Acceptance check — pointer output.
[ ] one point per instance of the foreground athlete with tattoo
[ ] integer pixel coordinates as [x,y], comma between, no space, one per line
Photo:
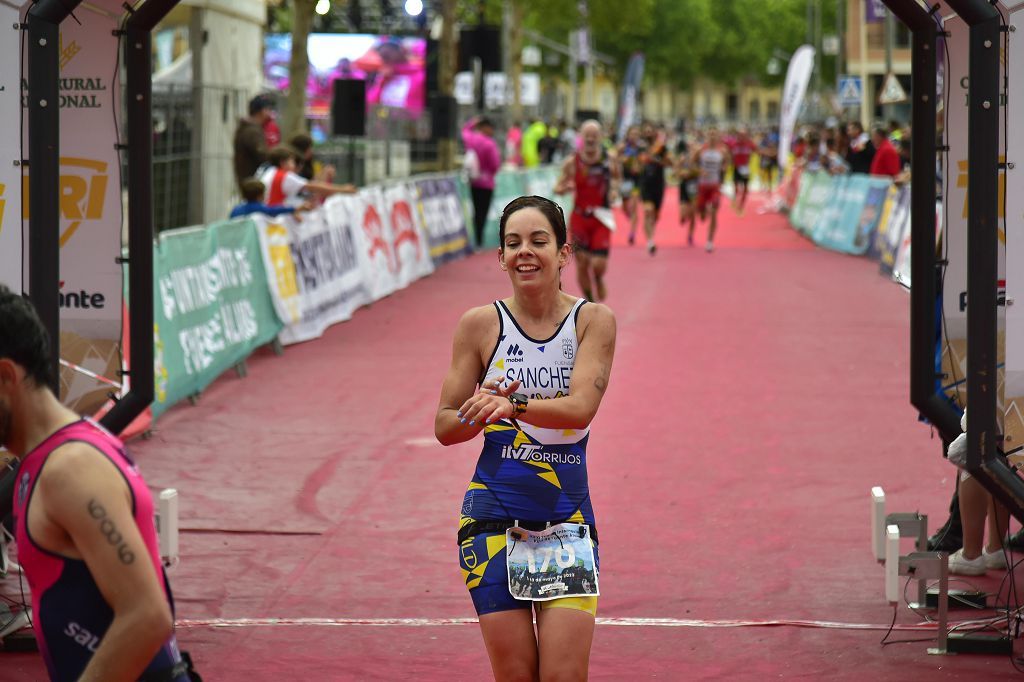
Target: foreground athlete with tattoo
[101,605]
[529,372]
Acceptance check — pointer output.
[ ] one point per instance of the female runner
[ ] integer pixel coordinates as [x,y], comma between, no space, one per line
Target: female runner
[530,372]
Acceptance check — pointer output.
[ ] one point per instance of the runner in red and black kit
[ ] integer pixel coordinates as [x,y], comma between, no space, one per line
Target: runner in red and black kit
[594,176]
[742,149]
[654,159]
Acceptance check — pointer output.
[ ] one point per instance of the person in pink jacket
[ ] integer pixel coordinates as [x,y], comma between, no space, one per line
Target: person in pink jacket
[482,163]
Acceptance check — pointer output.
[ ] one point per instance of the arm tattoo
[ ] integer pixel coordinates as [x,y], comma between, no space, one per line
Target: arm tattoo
[110,532]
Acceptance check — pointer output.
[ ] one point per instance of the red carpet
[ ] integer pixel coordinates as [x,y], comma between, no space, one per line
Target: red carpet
[758,393]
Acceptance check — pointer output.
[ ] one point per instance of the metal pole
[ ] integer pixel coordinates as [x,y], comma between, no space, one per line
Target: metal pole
[44,157]
[571,104]
[890,37]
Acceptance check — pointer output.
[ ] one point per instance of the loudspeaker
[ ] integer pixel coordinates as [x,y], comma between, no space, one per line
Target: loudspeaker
[443,117]
[483,42]
[348,107]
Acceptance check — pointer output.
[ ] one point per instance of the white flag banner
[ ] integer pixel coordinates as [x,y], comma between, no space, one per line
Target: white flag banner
[10,151]
[801,65]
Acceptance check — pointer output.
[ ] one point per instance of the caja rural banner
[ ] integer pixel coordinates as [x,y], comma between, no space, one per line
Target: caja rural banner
[212,306]
[1013,387]
[313,267]
[10,150]
[90,196]
[439,208]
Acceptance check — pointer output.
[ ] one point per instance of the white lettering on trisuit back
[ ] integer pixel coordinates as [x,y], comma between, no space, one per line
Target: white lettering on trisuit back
[533,453]
[82,637]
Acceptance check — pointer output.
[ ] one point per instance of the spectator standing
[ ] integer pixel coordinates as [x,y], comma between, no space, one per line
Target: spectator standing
[513,145]
[886,160]
[861,150]
[249,143]
[531,141]
[478,138]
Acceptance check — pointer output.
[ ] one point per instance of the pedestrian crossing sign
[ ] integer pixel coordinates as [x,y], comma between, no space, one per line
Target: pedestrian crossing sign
[851,91]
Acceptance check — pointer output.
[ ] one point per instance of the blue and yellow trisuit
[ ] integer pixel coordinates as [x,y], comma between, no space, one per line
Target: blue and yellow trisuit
[534,475]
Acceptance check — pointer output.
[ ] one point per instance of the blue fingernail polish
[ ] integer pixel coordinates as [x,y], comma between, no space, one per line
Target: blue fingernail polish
[487,422]
[472,422]
[459,413]
[494,393]
[463,421]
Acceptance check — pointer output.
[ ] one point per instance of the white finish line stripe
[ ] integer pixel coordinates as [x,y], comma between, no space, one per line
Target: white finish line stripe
[621,622]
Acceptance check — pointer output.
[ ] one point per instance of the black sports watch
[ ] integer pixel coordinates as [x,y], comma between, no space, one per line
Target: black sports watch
[519,402]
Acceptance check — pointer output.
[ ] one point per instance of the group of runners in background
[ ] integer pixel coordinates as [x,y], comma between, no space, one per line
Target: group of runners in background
[633,172]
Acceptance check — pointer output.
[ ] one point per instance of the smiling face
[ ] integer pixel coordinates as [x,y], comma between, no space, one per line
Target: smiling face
[530,251]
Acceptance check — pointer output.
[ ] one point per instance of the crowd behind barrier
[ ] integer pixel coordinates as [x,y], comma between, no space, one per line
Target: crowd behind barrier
[857,214]
[224,289]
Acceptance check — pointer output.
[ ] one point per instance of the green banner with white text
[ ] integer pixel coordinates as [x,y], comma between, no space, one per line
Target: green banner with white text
[212,306]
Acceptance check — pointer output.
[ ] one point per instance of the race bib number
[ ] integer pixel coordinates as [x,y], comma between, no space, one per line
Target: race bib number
[551,564]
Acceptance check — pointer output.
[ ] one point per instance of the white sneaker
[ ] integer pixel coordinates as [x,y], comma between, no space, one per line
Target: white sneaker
[709,247]
[995,560]
[959,565]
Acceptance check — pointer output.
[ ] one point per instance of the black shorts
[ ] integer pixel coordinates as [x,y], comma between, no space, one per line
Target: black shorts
[653,192]
[687,191]
[741,178]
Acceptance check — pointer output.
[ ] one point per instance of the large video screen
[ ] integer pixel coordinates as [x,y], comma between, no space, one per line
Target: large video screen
[393,67]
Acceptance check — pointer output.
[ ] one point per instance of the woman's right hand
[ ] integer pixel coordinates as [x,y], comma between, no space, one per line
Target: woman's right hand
[489,404]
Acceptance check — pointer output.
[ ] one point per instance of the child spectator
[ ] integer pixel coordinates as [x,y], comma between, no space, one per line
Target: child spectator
[253,192]
[285,185]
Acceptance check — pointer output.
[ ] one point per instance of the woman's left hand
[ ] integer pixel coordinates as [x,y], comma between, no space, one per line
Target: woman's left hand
[489,404]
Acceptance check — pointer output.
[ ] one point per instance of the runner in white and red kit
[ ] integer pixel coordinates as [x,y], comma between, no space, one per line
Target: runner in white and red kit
[711,162]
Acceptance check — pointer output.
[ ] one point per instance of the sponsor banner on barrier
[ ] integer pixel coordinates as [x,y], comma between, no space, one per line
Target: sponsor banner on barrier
[212,306]
[313,269]
[815,192]
[408,237]
[373,239]
[10,152]
[839,224]
[890,230]
[440,212]
[870,216]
